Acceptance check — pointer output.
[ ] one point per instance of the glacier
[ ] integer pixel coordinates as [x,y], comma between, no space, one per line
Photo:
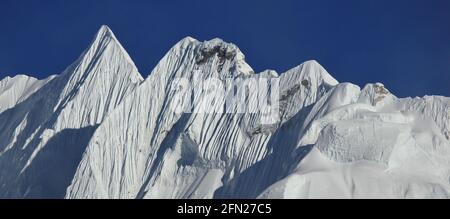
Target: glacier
[100,130]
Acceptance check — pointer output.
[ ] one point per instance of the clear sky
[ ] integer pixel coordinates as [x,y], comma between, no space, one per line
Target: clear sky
[404,44]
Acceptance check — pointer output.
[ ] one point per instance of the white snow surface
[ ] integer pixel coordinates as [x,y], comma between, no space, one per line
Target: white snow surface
[18,88]
[99,130]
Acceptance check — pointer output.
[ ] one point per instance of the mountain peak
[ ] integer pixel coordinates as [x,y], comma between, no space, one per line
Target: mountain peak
[103,37]
[105,31]
[317,67]
[105,28]
[224,51]
[106,47]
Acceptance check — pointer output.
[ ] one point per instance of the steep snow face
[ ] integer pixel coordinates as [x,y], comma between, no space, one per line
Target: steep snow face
[145,150]
[435,108]
[17,89]
[372,145]
[44,136]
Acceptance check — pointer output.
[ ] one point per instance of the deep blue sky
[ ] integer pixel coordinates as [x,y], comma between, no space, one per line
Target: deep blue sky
[404,44]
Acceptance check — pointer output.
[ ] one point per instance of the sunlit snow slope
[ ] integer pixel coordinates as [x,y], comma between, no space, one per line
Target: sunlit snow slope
[99,130]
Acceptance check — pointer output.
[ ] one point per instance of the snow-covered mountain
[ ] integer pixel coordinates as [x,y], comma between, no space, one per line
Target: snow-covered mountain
[99,130]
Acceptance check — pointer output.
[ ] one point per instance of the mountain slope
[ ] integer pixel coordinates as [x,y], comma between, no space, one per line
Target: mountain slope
[152,150]
[44,136]
[372,145]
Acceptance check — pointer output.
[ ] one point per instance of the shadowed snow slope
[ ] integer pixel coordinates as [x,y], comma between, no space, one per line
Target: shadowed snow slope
[99,130]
